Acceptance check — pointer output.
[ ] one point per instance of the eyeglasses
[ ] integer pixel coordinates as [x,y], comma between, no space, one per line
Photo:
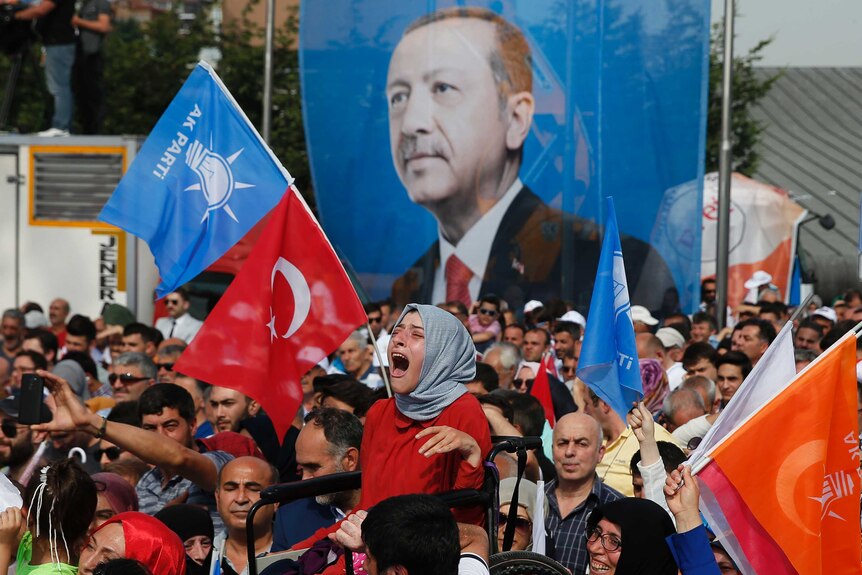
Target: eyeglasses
[112,453]
[519,383]
[521,523]
[569,369]
[10,428]
[491,312]
[172,301]
[167,366]
[125,378]
[375,319]
[609,542]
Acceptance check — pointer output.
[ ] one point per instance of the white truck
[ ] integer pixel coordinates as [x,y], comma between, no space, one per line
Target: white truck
[51,245]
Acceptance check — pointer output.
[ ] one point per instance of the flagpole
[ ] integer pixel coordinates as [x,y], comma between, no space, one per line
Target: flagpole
[798,311]
[383,371]
[706,458]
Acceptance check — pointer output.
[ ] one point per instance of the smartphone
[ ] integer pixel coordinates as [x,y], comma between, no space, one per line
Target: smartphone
[31,397]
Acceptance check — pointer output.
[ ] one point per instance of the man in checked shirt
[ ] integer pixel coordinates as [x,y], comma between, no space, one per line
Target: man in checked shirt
[577,489]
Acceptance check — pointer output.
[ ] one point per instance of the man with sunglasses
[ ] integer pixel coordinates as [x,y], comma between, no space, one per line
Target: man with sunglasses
[179,322]
[166,357]
[130,375]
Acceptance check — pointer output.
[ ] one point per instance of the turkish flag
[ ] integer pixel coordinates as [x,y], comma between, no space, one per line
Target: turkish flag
[290,306]
[782,490]
[541,390]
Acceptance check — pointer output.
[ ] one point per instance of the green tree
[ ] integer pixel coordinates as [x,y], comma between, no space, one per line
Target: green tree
[748,89]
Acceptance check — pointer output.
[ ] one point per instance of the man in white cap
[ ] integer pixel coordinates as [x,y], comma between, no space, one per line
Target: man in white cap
[642,319]
[825,317]
[673,343]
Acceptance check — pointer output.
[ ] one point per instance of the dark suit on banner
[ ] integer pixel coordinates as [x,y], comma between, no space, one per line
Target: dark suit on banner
[526,260]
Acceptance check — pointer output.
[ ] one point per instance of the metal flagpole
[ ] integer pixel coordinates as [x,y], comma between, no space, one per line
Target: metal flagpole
[267,70]
[725,169]
[383,371]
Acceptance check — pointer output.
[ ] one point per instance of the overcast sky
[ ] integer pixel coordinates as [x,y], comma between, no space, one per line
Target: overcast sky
[806,32]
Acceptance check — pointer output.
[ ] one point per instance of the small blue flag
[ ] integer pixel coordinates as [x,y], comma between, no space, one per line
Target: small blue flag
[609,358]
[203,178]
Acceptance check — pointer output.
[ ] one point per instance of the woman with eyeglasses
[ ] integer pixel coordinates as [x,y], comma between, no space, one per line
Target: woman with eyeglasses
[636,536]
[523,540]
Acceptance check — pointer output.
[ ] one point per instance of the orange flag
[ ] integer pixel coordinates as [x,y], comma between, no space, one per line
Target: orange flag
[782,491]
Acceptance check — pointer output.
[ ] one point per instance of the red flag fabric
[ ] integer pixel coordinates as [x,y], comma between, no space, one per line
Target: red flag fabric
[290,306]
[541,390]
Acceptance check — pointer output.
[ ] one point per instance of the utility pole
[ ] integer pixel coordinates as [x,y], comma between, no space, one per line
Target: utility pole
[725,170]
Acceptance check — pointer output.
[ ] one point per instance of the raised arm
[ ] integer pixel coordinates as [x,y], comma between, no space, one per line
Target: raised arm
[154,448]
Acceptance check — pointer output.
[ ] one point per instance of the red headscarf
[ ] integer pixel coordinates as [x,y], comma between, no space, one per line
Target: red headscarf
[149,541]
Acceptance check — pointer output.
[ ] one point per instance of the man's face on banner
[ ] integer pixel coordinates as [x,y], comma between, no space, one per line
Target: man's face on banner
[446,128]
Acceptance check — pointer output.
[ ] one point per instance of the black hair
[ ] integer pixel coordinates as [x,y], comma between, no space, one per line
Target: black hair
[370,307]
[81,326]
[357,395]
[126,412]
[67,502]
[159,396]
[736,358]
[671,457]
[39,360]
[811,324]
[775,307]
[698,351]
[569,327]
[341,429]
[491,299]
[704,317]
[85,360]
[31,306]
[487,375]
[417,532]
[543,331]
[496,399]
[529,414]
[47,339]
[519,326]
[143,330]
[767,330]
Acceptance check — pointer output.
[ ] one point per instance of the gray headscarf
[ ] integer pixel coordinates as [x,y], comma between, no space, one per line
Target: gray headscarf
[450,362]
[527,492]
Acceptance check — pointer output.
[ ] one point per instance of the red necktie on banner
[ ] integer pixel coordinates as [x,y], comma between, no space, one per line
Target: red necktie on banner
[458,277]
[289,307]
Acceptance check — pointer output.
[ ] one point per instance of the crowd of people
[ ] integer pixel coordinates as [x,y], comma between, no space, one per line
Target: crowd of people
[137,468]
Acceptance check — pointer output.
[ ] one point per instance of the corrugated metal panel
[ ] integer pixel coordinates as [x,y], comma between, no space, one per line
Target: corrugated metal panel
[812,147]
[73,187]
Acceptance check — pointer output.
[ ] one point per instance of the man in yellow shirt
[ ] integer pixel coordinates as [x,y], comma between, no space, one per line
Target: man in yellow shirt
[620,445]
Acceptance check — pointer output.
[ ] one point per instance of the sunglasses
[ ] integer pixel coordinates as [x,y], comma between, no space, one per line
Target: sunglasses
[521,523]
[167,366]
[112,453]
[519,383]
[569,369]
[10,428]
[125,378]
[172,302]
[488,311]
[375,319]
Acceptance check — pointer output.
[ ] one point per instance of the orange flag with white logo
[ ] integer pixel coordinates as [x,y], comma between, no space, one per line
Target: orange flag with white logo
[782,491]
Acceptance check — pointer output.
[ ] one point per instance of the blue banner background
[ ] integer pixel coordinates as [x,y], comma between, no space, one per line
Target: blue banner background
[620,90]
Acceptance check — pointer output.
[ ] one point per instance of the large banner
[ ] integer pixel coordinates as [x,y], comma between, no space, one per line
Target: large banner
[459,150]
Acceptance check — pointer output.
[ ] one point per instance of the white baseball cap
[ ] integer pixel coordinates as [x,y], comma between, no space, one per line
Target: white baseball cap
[532,304]
[826,312]
[642,314]
[670,338]
[759,278]
[574,317]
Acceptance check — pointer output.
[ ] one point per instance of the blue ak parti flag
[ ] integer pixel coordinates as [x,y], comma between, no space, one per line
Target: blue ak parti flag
[609,357]
[203,178]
